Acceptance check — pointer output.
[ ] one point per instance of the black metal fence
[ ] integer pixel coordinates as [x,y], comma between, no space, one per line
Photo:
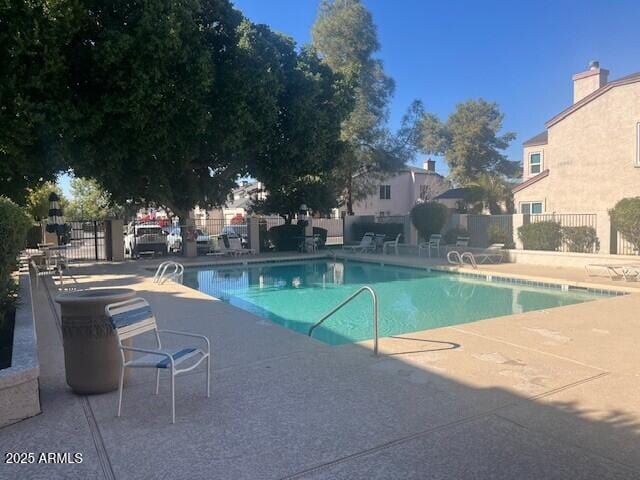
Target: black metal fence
[566,220]
[479,227]
[164,236]
[622,245]
[86,240]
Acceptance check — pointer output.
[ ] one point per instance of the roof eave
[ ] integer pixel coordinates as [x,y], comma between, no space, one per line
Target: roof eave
[592,96]
[530,181]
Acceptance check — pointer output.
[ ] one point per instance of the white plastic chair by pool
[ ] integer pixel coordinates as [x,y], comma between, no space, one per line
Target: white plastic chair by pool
[434,242]
[392,244]
[134,317]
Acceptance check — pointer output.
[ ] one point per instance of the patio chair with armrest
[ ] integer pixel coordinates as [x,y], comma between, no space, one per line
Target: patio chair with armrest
[392,244]
[434,242]
[133,317]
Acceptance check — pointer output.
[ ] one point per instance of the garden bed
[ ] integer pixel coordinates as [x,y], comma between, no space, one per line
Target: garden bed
[19,391]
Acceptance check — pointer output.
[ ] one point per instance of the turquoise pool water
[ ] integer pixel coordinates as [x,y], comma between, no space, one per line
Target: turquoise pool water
[411,299]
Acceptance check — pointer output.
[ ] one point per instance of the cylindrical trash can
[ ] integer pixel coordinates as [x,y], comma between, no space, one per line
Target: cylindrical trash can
[92,359]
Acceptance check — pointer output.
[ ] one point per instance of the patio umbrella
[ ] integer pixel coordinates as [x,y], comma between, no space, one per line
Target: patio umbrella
[55,222]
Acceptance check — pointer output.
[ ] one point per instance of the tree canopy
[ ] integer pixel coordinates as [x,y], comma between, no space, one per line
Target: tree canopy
[32,94]
[346,38]
[470,141]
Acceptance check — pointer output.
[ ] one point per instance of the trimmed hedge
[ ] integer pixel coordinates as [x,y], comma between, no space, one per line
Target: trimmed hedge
[581,239]
[429,218]
[625,218]
[389,230]
[283,237]
[541,236]
[14,224]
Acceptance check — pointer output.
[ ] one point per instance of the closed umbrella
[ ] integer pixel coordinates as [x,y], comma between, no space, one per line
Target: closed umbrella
[55,222]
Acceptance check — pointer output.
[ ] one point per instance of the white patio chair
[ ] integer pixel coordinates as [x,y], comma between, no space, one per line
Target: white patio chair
[434,242]
[367,244]
[134,317]
[392,244]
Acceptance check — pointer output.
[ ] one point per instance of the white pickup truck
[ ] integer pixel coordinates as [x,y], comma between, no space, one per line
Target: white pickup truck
[144,238]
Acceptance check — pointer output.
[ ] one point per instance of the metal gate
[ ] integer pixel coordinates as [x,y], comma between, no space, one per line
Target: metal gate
[86,240]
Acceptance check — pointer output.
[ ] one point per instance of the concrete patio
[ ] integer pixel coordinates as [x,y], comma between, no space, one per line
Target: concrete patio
[551,394]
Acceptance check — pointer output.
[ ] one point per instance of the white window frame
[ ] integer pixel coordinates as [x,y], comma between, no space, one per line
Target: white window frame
[530,203]
[541,162]
[386,188]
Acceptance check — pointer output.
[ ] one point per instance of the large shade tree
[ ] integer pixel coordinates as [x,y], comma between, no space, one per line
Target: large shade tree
[151,84]
[470,141]
[345,36]
[33,96]
[297,161]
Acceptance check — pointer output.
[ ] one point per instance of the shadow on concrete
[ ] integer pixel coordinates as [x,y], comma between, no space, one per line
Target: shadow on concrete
[284,406]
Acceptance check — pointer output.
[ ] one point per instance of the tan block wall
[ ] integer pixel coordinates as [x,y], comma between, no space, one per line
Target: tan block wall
[592,159]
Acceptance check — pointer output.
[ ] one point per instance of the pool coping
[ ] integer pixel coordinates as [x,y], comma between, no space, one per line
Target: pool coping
[490,276]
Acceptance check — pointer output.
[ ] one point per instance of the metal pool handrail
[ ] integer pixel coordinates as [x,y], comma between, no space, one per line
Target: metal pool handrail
[162,275]
[374,298]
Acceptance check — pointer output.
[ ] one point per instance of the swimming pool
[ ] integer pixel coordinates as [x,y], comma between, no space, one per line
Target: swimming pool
[296,295]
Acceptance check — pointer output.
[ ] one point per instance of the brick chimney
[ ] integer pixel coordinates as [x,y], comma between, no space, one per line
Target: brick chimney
[588,82]
[429,165]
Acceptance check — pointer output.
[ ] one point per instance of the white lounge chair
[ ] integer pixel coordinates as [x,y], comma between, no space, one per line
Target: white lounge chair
[434,242]
[233,246]
[627,272]
[392,244]
[134,317]
[367,244]
[473,259]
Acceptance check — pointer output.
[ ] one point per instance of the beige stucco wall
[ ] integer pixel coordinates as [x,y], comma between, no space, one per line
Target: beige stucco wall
[592,158]
[405,191]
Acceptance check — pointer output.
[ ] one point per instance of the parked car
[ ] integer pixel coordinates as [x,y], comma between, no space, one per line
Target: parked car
[239,230]
[174,240]
[144,238]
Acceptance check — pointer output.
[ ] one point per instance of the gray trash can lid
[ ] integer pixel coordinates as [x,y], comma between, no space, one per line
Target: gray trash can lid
[102,295]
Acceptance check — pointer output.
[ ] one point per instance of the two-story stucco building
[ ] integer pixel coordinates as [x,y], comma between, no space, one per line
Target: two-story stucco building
[398,193]
[588,158]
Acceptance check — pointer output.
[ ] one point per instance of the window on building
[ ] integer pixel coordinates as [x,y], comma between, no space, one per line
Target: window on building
[424,192]
[531,207]
[535,163]
[385,192]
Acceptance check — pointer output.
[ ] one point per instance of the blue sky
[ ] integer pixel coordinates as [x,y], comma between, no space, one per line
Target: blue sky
[520,54]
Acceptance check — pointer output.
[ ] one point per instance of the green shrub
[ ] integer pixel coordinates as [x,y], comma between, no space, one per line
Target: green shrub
[451,236]
[428,218]
[14,224]
[389,230]
[288,237]
[625,218]
[541,236]
[499,234]
[580,239]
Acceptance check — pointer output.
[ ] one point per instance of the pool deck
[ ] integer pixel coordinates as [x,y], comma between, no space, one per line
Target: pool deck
[551,394]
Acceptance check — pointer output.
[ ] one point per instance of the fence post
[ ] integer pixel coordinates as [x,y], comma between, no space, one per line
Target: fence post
[253,231]
[190,246]
[603,232]
[116,239]
[518,221]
